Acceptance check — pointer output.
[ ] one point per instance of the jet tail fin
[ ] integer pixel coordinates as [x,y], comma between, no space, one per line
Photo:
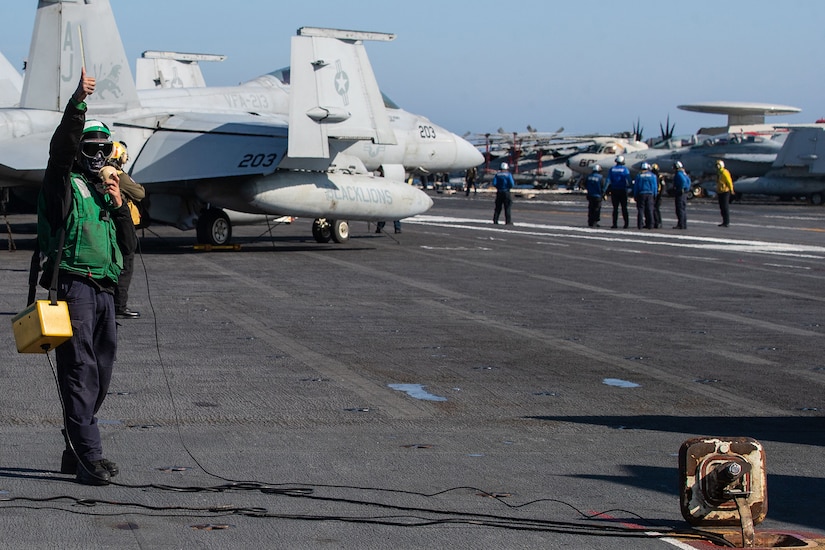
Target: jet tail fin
[67,35]
[801,149]
[11,84]
[333,92]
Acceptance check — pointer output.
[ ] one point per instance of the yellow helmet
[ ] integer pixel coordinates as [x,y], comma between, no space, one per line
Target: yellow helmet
[119,153]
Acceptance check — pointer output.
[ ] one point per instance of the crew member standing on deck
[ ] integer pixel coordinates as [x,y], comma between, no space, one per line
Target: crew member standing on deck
[681,188]
[132,193]
[618,179]
[724,190]
[645,187]
[503,182]
[595,196]
[470,180]
[75,202]
[657,202]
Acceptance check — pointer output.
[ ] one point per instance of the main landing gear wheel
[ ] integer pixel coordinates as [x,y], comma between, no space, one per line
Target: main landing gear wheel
[340,230]
[321,230]
[214,227]
[817,199]
[325,230]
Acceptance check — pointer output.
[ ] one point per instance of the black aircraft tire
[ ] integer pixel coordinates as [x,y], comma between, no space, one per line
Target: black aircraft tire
[340,230]
[214,227]
[322,231]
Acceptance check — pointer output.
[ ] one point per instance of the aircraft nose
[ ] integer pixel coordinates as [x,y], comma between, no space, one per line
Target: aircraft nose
[425,203]
[466,155]
[576,163]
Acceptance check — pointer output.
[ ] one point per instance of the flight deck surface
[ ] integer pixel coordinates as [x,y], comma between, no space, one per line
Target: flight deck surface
[460,384]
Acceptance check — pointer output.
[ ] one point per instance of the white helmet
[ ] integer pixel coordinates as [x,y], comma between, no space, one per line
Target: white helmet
[678,165]
[645,166]
[620,159]
[505,166]
[597,168]
[720,164]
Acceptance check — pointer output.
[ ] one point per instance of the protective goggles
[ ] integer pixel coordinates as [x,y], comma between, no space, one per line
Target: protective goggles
[90,149]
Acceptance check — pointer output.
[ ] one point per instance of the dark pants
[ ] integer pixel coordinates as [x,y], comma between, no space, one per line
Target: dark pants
[619,198]
[503,199]
[594,209]
[123,282]
[127,241]
[473,185]
[657,211]
[681,210]
[85,361]
[396,224]
[724,207]
[645,204]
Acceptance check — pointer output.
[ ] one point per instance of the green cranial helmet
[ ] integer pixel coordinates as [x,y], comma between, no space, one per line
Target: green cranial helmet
[97,130]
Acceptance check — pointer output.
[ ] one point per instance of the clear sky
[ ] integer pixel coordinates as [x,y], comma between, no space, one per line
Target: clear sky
[476,66]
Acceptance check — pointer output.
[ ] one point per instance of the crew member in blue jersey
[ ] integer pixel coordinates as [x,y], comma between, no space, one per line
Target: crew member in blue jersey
[681,188]
[503,182]
[645,188]
[618,180]
[595,196]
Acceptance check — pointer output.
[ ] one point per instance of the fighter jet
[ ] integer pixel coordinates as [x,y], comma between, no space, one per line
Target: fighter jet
[300,142]
[799,168]
[743,154]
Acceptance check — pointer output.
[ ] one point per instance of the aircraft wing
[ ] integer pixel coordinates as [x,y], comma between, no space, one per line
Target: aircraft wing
[26,152]
[747,157]
[207,146]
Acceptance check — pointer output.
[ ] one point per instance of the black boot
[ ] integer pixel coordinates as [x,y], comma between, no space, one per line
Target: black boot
[92,473]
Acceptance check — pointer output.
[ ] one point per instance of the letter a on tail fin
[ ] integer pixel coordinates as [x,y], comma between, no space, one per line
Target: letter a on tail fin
[57,54]
[334,93]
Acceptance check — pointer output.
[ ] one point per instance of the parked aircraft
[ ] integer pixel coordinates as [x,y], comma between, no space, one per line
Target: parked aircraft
[248,148]
[604,149]
[799,168]
[744,155]
[537,158]
[747,145]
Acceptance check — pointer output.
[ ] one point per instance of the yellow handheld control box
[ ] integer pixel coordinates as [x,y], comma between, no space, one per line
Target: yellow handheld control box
[42,327]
